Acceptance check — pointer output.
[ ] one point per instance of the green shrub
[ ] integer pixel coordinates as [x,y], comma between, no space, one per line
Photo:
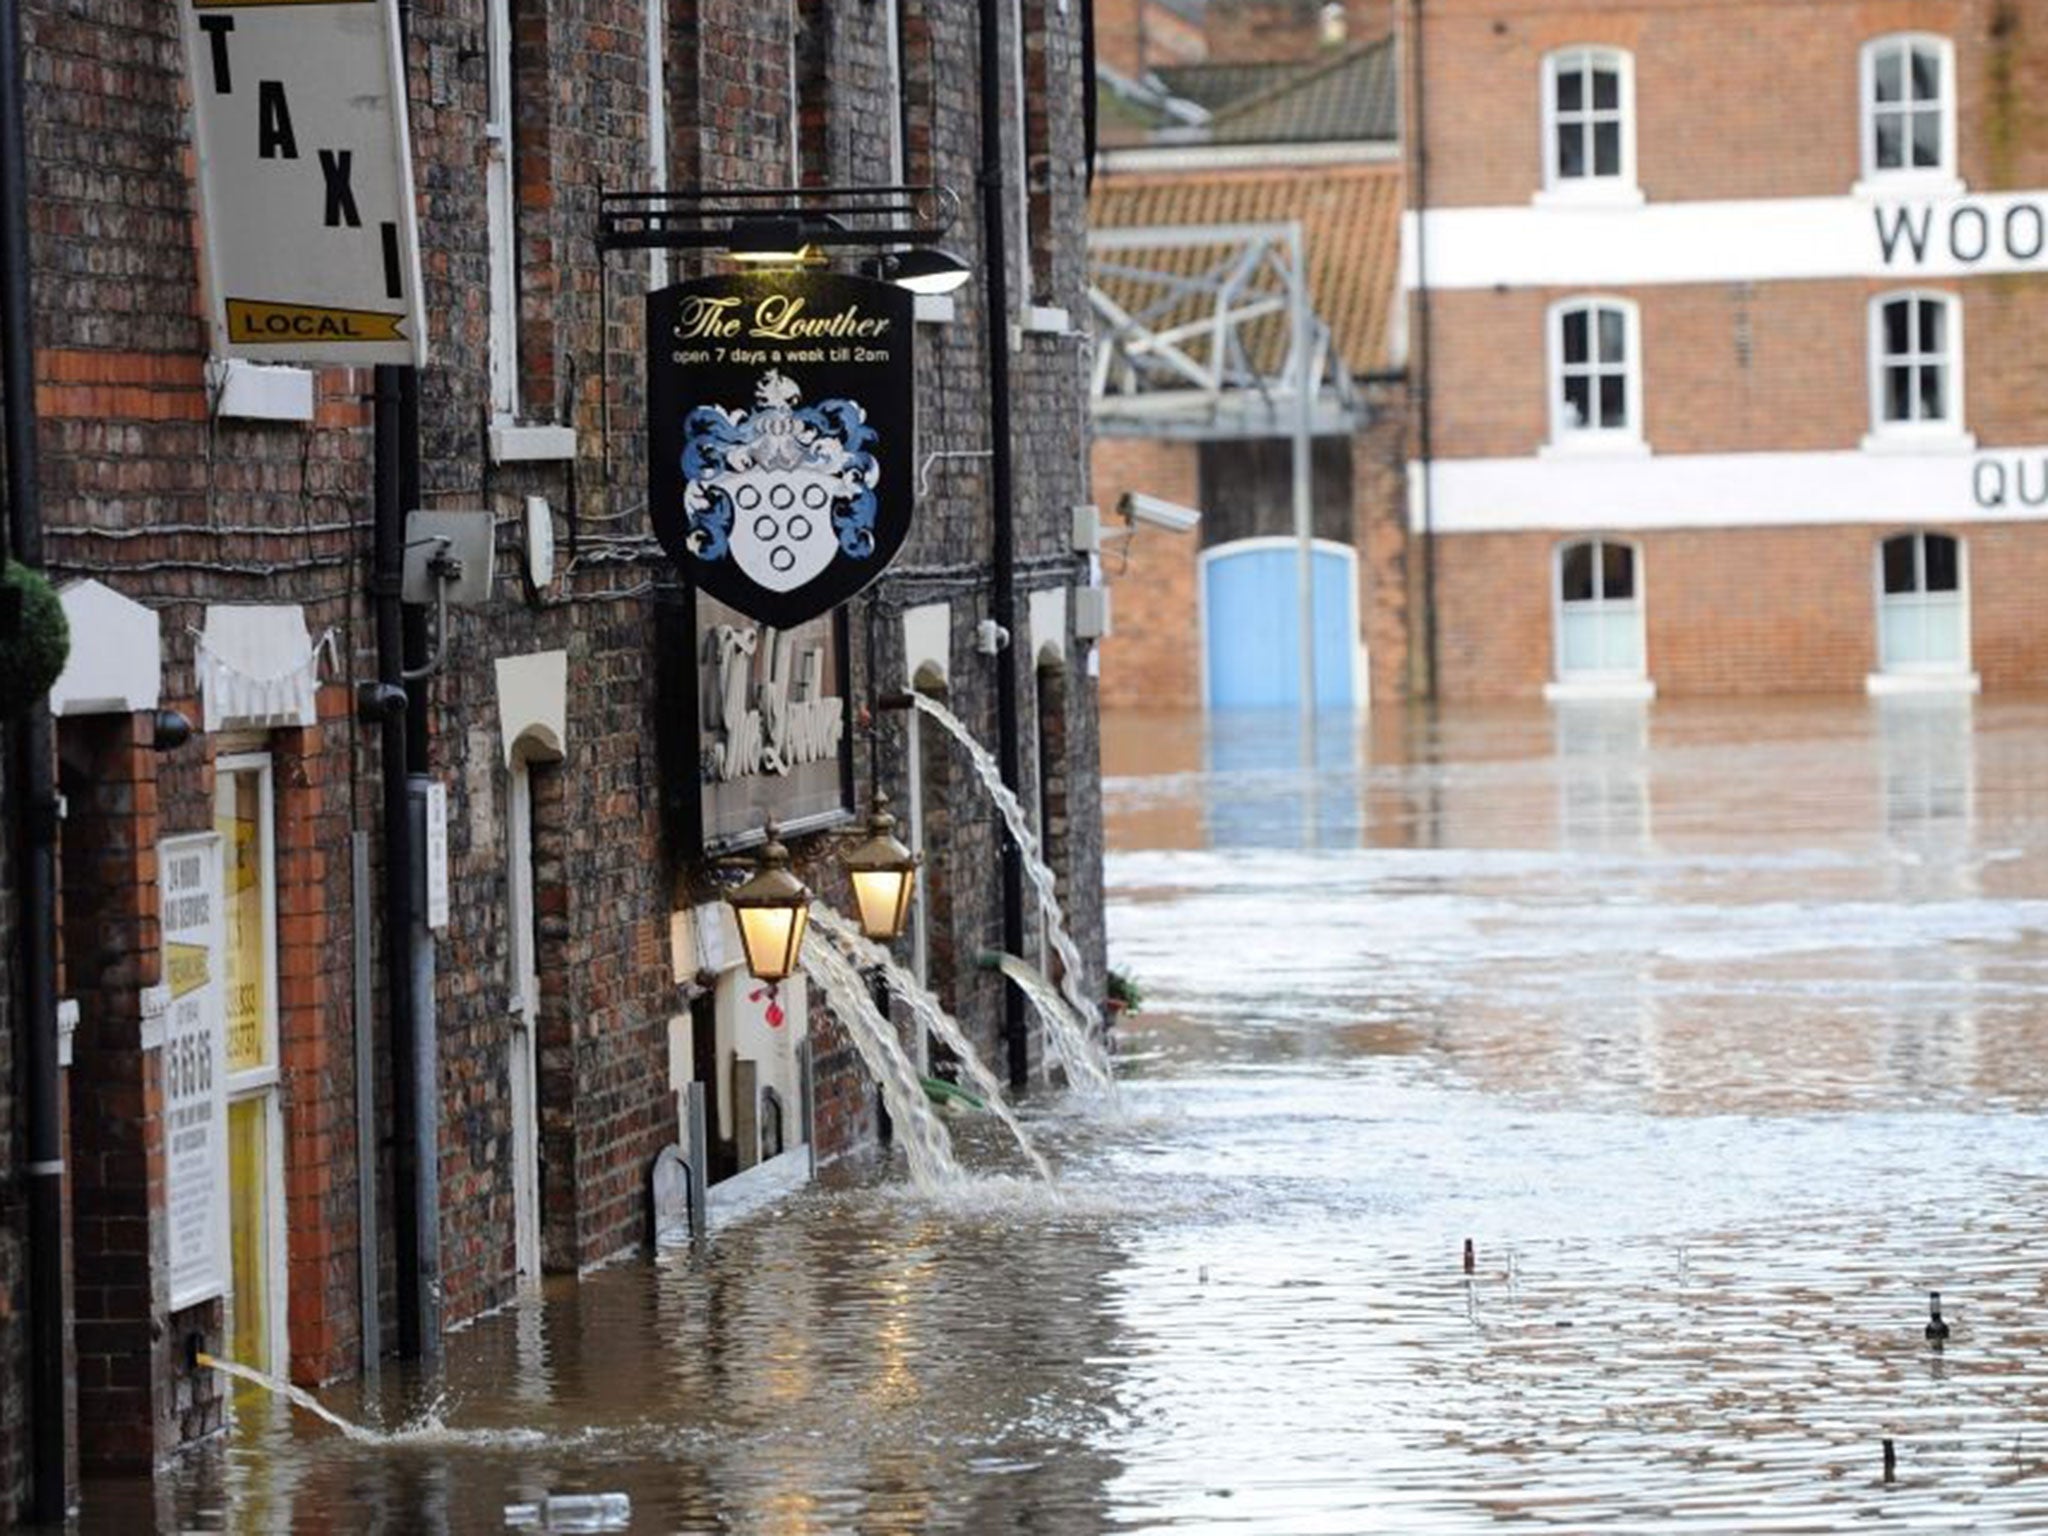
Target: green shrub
[32,650]
[1124,991]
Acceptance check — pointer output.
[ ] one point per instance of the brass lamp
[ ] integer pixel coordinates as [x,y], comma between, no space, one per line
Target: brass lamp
[884,875]
[772,908]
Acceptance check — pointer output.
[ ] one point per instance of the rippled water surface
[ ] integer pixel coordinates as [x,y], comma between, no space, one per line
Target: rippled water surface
[1722,1033]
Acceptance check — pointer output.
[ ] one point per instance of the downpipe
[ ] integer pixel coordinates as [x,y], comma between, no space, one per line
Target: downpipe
[1003,599]
[391,708]
[35,807]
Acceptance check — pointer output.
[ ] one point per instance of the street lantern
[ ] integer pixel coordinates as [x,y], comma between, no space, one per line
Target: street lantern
[884,874]
[922,269]
[773,241]
[772,908]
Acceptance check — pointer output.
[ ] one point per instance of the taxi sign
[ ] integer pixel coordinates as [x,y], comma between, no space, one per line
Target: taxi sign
[305,180]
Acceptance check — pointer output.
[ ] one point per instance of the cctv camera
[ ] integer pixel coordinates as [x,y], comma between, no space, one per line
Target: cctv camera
[1137,507]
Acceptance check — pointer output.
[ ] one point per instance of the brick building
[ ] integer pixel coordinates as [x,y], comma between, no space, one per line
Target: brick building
[1726,337]
[1289,124]
[210,527]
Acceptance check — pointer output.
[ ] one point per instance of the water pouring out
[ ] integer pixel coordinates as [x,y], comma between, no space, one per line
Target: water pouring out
[932,1017]
[1066,1030]
[296,1396]
[1036,870]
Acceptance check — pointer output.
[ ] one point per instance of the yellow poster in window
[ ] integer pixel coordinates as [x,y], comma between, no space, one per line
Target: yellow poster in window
[239,820]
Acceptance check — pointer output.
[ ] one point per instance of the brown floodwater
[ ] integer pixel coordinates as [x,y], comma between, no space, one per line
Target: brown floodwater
[1721,1032]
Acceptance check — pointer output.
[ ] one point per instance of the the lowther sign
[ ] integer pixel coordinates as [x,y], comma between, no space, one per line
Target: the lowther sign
[305,180]
[779,437]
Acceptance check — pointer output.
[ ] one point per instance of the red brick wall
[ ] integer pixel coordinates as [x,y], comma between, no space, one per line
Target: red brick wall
[111,943]
[1733,611]
[309,775]
[1732,368]
[1386,565]
[1152,658]
[1760,106]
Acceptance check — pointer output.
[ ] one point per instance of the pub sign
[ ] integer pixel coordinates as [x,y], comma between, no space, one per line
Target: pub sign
[779,436]
[757,724]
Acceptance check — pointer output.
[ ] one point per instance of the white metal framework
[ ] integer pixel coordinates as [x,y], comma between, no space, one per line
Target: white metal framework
[1206,331]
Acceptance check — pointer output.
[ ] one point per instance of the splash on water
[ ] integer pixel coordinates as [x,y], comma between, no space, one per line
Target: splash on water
[926,1010]
[428,1430]
[924,1138]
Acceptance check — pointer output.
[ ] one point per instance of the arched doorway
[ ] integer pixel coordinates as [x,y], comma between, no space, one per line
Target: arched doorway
[1251,638]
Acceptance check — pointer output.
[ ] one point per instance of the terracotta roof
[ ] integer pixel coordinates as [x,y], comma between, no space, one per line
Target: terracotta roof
[1350,215]
[1353,96]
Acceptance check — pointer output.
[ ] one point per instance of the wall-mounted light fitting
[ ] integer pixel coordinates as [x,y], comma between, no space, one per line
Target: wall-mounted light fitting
[773,908]
[924,269]
[884,875]
[773,241]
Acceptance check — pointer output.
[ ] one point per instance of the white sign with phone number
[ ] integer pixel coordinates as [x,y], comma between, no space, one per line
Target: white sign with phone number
[195,1067]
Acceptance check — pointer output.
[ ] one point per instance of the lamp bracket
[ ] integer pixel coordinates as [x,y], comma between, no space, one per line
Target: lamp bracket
[702,218]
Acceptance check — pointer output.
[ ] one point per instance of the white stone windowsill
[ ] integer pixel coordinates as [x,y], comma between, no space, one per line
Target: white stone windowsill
[1899,443]
[246,391]
[1626,690]
[1594,194]
[1595,445]
[1885,186]
[1880,685]
[1044,320]
[512,443]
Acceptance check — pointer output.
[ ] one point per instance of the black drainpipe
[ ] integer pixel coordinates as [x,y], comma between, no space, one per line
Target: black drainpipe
[1417,122]
[386,583]
[36,817]
[1088,88]
[1009,747]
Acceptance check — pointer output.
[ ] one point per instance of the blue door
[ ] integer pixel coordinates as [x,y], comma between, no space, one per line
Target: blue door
[1254,647]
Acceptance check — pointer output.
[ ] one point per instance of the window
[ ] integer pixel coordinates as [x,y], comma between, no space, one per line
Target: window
[1909,109]
[1599,613]
[1916,355]
[1922,619]
[500,210]
[1594,375]
[1589,148]
[245,816]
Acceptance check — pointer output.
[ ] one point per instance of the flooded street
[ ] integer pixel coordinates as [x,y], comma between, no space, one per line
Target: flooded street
[1720,1031]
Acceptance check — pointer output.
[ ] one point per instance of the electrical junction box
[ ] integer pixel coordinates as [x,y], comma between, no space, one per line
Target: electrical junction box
[1091,613]
[467,538]
[1087,538]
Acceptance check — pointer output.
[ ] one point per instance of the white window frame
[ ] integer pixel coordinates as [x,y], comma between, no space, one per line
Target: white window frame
[1620,188]
[1947,435]
[501,217]
[262,1084]
[1026,299]
[1932,181]
[1565,437]
[523,1017]
[1894,676]
[1599,683]
[654,41]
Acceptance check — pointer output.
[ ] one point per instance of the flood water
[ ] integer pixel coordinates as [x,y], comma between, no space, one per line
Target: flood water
[1721,1032]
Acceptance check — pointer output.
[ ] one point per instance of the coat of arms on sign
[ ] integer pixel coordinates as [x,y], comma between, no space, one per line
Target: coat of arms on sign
[779,435]
[783,488]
